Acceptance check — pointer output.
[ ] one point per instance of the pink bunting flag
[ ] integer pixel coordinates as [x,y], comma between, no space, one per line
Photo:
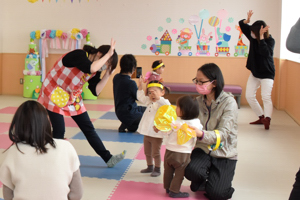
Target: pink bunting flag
[70,43]
[52,44]
[58,44]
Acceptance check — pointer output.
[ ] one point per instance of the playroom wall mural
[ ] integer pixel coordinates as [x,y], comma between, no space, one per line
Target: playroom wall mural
[212,33]
[35,61]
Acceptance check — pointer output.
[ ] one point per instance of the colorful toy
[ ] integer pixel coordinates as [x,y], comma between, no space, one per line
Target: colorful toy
[165,44]
[183,41]
[86,93]
[32,73]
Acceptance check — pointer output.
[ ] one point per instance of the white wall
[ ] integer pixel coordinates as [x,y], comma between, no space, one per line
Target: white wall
[128,21]
[290,15]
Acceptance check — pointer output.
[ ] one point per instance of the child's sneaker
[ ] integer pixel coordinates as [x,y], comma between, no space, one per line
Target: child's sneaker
[149,169]
[156,172]
[179,195]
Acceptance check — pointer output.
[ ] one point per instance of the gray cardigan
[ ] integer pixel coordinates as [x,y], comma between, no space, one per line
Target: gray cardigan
[293,39]
[223,117]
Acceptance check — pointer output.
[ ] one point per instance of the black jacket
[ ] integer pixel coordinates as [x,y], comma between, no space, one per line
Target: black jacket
[260,59]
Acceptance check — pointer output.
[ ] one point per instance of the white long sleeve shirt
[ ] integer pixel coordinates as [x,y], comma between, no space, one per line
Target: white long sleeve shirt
[147,121]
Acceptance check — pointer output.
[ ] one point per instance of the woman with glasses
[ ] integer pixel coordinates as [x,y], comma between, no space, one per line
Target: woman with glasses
[214,157]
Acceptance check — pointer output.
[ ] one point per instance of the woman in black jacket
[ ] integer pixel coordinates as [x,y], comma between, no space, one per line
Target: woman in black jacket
[261,64]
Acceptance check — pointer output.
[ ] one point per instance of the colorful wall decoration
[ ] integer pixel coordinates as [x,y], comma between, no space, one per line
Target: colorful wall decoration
[164,46]
[240,49]
[183,40]
[211,35]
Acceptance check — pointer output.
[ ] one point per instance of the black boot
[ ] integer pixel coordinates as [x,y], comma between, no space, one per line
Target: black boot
[122,128]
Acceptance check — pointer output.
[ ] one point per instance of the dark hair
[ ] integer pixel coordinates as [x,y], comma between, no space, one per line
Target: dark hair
[213,72]
[127,63]
[156,63]
[189,107]
[167,90]
[31,125]
[103,49]
[255,28]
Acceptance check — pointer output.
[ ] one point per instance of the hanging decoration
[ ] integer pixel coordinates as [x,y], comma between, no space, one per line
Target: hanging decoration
[75,37]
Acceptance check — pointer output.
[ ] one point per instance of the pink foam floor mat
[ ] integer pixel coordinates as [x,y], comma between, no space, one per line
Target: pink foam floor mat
[98,107]
[141,155]
[4,127]
[129,190]
[8,110]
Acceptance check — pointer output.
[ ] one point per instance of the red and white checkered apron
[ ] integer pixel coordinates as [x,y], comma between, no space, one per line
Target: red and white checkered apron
[69,82]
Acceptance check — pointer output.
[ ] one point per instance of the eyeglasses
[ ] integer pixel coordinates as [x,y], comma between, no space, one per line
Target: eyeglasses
[195,81]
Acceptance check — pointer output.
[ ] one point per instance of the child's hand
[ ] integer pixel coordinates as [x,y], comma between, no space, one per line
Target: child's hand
[155,129]
[199,133]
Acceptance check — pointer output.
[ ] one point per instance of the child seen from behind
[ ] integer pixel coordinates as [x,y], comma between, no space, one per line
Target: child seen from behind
[177,156]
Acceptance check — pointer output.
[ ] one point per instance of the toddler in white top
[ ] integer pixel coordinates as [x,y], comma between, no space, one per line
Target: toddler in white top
[152,139]
[177,156]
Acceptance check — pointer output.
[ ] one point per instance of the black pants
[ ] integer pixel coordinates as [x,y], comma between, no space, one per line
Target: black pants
[134,126]
[84,123]
[218,172]
[295,194]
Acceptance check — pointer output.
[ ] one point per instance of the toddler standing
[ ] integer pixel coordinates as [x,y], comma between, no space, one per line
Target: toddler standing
[177,156]
[152,140]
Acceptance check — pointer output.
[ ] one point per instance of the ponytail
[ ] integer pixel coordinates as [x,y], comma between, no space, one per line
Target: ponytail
[89,49]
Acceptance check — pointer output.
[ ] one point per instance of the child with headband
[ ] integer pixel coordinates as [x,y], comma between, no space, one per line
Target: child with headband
[158,68]
[152,140]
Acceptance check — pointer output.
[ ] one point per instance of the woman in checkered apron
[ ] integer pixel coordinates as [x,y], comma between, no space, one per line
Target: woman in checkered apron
[62,88]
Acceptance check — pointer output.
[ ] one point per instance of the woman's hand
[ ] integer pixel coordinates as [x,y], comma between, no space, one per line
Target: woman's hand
[249,15]
[112,47]
[108,72]
[96,65]
[199,133]
[262,31]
